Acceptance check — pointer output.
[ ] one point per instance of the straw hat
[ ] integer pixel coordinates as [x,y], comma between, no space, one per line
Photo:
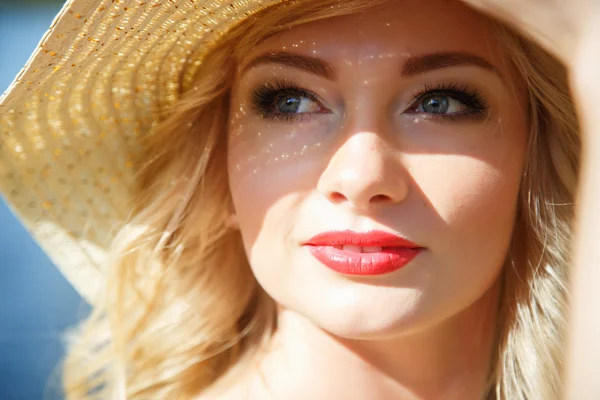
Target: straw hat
[72,120]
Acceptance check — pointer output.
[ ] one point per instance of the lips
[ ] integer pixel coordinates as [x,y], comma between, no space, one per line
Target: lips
[368,253]
[359,249]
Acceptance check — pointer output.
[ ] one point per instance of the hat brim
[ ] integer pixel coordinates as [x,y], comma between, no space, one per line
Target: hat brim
[72,120]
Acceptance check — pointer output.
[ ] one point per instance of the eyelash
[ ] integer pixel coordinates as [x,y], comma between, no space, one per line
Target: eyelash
[265,96]
[471,97]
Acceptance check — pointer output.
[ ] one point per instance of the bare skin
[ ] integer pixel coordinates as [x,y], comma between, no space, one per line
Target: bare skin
[306,361]
[425,331]
[570,30]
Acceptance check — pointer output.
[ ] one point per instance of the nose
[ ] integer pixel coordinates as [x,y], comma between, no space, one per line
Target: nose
[365,171]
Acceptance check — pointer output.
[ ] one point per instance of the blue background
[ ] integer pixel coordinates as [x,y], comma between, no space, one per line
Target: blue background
[36,302]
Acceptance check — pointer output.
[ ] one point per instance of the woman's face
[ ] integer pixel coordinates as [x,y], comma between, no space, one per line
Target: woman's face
[405,119]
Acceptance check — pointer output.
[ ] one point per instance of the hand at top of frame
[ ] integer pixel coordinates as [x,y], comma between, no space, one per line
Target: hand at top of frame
[566,28]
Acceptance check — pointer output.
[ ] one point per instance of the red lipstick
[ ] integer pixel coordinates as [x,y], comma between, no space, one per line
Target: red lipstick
[368,253]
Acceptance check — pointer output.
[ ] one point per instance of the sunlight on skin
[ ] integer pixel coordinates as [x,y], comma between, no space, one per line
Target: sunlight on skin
[367,157]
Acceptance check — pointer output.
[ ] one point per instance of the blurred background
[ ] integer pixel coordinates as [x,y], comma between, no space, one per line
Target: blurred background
[36,303]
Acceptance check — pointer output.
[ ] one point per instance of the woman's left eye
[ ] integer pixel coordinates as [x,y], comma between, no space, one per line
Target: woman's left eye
[449,102]
[441,104]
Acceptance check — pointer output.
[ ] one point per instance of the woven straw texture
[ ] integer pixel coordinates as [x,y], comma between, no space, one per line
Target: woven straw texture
[72,121]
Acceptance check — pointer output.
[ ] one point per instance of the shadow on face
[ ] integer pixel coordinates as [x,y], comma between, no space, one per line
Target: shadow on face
[406,118]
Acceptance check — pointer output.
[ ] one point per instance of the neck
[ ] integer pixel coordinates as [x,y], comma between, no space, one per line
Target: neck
[448,361]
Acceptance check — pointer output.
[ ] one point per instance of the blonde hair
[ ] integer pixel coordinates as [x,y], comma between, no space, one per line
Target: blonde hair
[182,309]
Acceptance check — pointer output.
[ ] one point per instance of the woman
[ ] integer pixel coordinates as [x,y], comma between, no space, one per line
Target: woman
[315,199]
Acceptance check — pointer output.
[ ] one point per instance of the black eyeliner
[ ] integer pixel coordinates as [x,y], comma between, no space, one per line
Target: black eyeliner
[472,98]
[266,95]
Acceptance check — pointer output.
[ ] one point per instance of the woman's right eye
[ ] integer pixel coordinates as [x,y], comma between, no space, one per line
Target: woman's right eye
[295,104]
[284,101]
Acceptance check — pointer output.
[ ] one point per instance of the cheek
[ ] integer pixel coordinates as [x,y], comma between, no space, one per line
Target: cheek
[268,204]
[472,185]
[265,206]
[269,171]
[473,199]
[467,224]
[467,192]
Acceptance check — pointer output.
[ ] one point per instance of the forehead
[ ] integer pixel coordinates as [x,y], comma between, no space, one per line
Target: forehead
[398,29]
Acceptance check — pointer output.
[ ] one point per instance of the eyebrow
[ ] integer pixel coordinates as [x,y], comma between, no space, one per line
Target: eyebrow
[415,65]
[428,62]
[310,64]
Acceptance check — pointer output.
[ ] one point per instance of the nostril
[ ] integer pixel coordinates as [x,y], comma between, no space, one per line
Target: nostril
[337,197]
[380,198]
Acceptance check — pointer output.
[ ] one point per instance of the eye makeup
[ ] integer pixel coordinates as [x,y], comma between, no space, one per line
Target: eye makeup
[275,99]
[474,105]
[282,100]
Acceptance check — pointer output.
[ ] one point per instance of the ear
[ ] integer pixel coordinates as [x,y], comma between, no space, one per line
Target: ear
[232,222]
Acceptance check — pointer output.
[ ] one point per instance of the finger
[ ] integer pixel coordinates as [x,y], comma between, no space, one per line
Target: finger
[543,22]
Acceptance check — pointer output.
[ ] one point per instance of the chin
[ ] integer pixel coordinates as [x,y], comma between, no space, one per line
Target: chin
[368,329]
[371,318]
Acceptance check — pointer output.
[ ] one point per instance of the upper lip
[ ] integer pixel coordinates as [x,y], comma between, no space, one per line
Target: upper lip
[363,239]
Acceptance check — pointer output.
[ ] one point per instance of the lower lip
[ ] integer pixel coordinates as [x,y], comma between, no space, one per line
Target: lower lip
[387,260]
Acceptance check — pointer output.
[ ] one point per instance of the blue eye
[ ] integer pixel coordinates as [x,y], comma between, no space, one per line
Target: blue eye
[449,102]
[283,100]
[295,104]
[442,104]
